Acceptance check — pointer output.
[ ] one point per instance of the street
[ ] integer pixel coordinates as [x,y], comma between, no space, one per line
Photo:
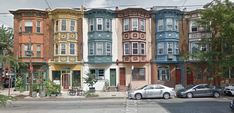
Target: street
[176,105]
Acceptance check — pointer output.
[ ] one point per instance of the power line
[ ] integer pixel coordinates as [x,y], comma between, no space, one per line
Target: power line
[48,4]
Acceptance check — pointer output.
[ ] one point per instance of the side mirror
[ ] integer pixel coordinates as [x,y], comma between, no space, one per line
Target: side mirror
[194,89]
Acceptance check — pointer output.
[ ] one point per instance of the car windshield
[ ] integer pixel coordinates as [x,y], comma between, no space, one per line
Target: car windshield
[143,87]
[189,87]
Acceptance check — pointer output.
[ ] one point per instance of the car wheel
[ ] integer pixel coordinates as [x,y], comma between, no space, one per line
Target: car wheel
[138,96]
[189,95]
[216,94]
[166,95]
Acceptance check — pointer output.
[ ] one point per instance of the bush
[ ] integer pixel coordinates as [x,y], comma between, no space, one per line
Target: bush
[51,88]
[4,99]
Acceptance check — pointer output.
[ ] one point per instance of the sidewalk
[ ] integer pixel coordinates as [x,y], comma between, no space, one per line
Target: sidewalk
[64,95]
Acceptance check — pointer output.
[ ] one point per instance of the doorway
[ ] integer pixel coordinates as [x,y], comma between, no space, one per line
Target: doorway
[112,77]
[122,79]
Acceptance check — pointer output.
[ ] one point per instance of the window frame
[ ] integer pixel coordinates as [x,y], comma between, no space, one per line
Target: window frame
[91,49]
[160,25]
[91,24]
[72,49]
[135,49]
[170,46]
[63,25]
[142,49]
[127,48]
[142,25]
[72,27]
[63,48]
[99,23]
[28,26]
[38,26]
[169,24]
[160,47]
[137,75]
[108,49]
[38,50]
[163,76]
[194,26]
[108,24]
[126,24]
[99,48]
[135,26]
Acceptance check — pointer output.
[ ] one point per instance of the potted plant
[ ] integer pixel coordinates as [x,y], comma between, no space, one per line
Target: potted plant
[90,80]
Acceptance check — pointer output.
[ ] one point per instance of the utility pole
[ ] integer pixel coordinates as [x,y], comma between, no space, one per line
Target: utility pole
[30,53]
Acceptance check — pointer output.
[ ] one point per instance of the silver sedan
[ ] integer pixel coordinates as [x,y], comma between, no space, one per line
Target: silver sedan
[152,91]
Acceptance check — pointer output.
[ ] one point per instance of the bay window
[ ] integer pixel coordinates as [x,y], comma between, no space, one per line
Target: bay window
[169,47]
[142,48]
[142,25]
[63,48]
[72,25]
[99,48]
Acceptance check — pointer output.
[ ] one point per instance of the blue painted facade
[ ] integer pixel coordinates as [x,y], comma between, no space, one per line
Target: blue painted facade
[99,36]
[167,36]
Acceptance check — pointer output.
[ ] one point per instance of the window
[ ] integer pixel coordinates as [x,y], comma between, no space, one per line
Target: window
[163,73]
[160,48]
[138,74]
[38,26]
[134,48]
[108,24]
[193,26]
[99,24]
[20,26]
[142,49]
[169,47]
[99,73]
[38,50]
[56,25]
[135,24]
[63,48]
[91,49]
[28,26]
[72,48]
[177,47]
[203,47]
[91,25]
[28,50]
[194,47]
[126,24]
[99,48]
[56,49]
[126,49]
[108,49]
[142,24]
[169,24]
[176,25]
[160,25]
[72,26]
[64,25]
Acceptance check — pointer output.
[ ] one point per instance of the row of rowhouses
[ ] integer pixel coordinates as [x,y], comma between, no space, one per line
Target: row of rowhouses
[122,47]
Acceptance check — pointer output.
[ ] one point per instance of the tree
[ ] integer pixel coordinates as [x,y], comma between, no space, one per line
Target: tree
[90,80]
[219,20]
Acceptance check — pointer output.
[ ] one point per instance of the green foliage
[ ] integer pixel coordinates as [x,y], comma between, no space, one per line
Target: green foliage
[90,94]
[218,19]
[51,88]
[19,84]
[4,99]
[90,80]
[35,87]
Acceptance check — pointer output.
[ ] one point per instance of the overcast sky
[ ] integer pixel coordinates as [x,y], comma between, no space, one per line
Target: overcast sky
[6,5]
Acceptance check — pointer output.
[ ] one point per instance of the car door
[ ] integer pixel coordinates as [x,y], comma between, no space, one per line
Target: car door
[158,91]
[200,90]
[208,90]
[149,91]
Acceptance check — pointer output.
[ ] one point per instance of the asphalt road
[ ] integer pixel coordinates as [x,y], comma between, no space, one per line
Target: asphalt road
[176,105]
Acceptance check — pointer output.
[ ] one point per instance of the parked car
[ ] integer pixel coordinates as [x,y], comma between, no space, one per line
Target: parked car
[232,105]
[200,90]
[229,90]
[152,91]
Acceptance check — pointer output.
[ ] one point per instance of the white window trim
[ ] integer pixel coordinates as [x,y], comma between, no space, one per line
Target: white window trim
[171,24]
[135,48]
[62,48]
[73,25]
[142,49]
[142,23]
[126,23]
[168,44]
[101,48]
[108,53]
[108,21]
[97,23]
[91,23]
[160,23]
[137,26]
[127,43]
[166,74]
[62,24]
[91,47]
[38,25]
[160,46]
[74,48]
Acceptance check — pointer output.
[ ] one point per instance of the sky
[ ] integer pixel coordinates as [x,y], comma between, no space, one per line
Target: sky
[6,5]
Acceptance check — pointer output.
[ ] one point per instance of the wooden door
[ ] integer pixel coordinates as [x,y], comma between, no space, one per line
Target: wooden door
[189,78]
[65,81]
[112,77]
[178,76]
[122,79]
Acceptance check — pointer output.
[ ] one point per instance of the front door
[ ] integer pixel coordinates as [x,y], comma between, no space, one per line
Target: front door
[122,79]
[112,77]
[189,78]
[178,76]
[65,81]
